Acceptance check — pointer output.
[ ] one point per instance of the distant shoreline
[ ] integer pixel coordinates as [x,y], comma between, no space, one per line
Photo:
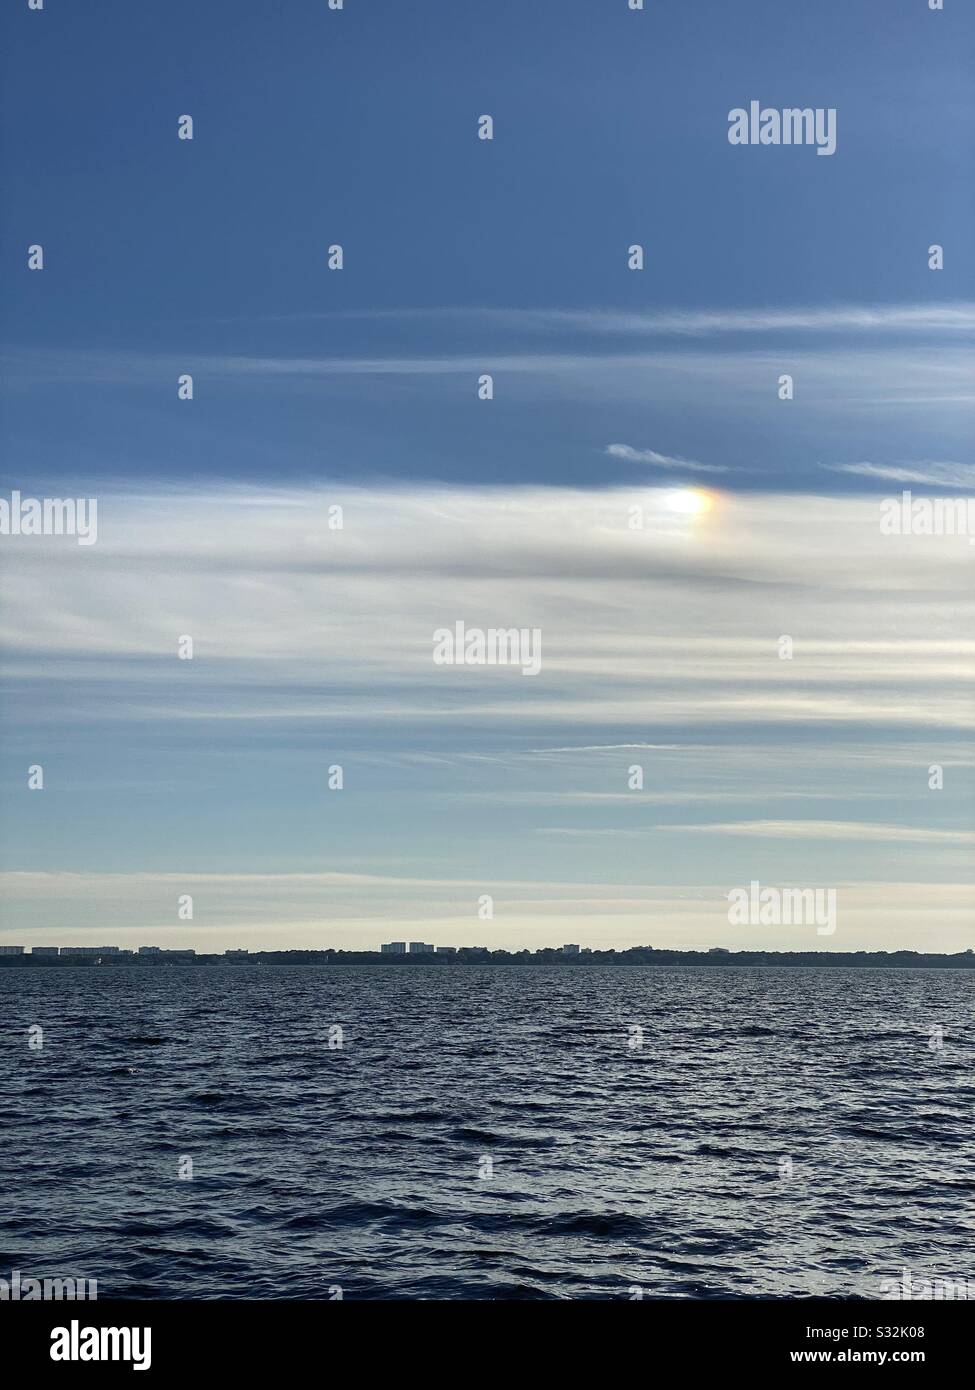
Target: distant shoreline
[635,956]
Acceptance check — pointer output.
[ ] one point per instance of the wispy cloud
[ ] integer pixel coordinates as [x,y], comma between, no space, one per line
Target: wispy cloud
[961,475]
[867,318]
[832,830]
[956,317]
[709,379]
[631,455]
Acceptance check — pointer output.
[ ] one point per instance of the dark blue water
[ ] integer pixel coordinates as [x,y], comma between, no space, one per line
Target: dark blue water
[614,1166]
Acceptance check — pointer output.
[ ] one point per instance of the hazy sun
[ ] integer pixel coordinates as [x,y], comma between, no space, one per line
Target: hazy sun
[691,501]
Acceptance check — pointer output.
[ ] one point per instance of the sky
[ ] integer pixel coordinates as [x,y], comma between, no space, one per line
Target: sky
[636,490]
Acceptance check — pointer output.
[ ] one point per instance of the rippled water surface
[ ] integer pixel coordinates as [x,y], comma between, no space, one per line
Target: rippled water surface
[663,1166]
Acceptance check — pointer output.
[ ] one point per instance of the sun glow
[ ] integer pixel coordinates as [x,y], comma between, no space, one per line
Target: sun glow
[691,501]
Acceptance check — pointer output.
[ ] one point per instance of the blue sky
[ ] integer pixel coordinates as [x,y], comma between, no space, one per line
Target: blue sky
[612,389]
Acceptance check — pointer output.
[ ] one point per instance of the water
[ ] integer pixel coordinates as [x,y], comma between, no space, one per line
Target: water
[614,1166]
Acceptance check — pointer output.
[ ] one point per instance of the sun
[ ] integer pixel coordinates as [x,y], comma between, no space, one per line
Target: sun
[690,501]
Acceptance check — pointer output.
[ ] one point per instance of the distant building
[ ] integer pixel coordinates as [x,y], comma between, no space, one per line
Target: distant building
[90,951]
[11,950]
[393,948]
[420,948]
[719,951]
[45,950]
[570,950]
[586,951]
[150,950]
[472,951]
[446,950]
